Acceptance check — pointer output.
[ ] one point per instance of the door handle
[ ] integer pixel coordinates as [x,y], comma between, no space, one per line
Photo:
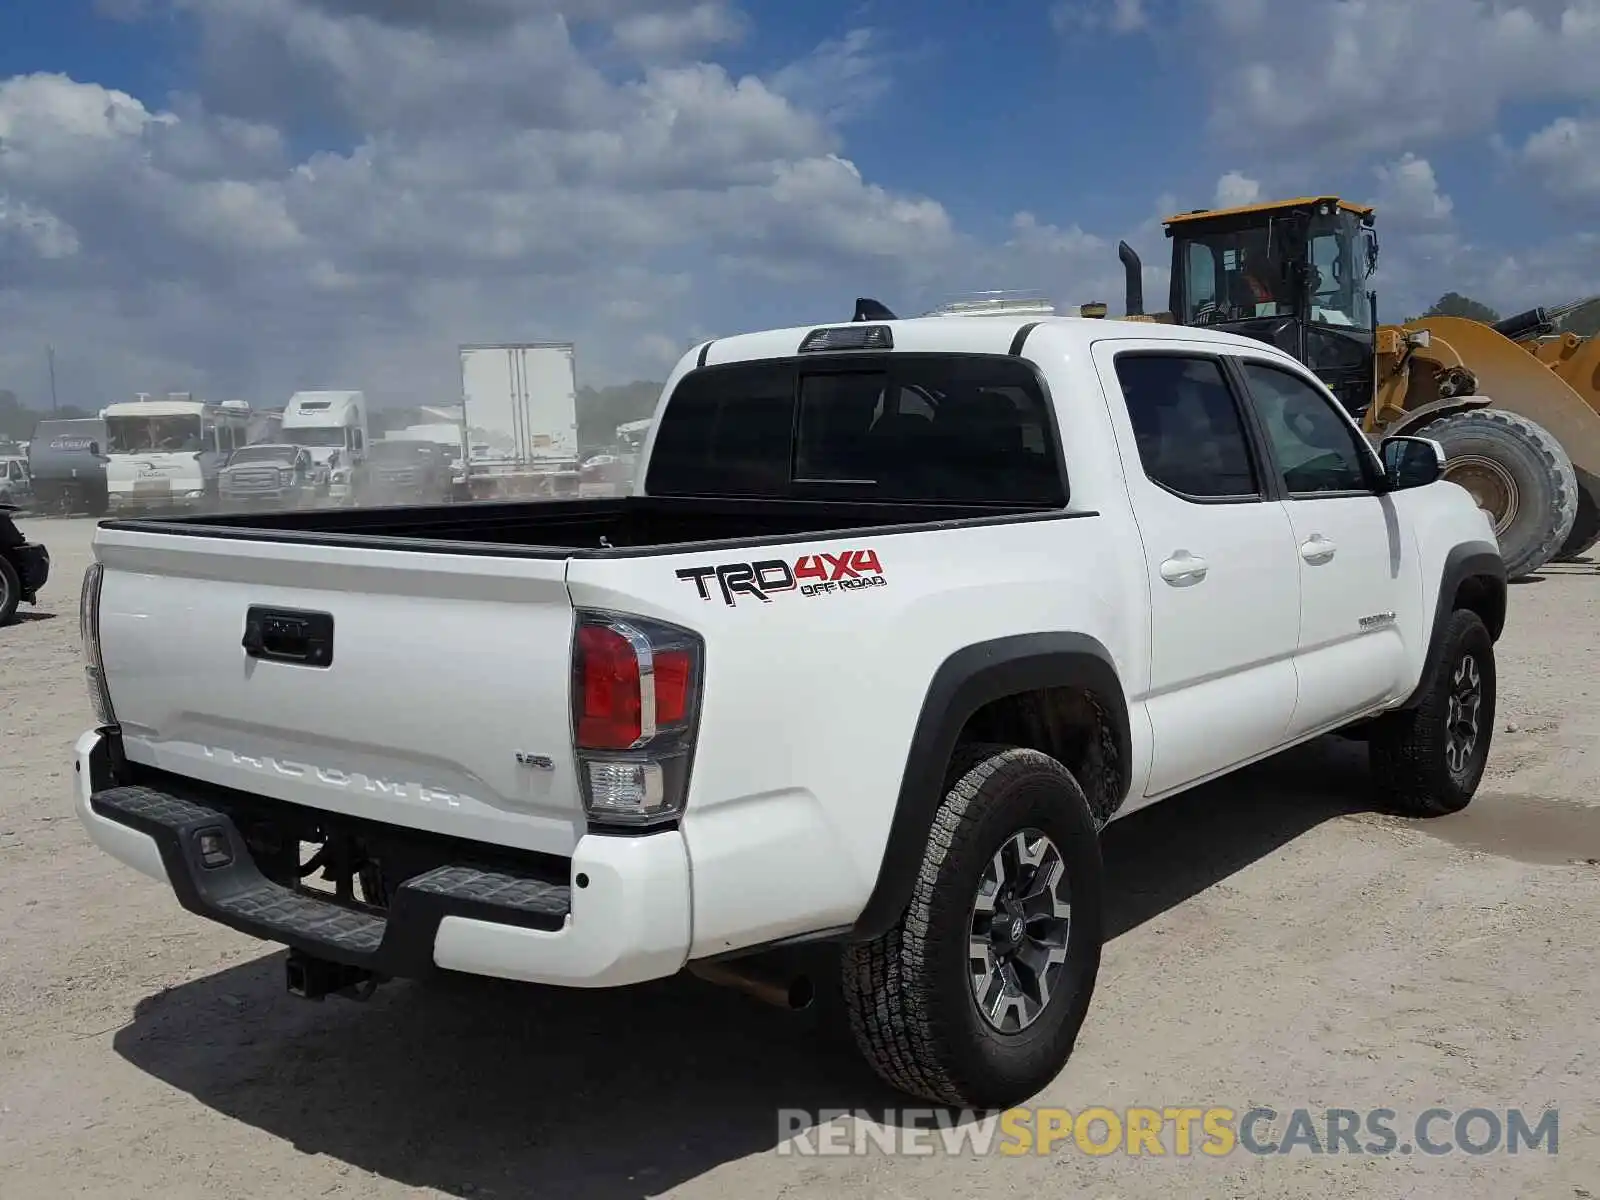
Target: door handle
[289,635]
[1317,549]
[1183,569]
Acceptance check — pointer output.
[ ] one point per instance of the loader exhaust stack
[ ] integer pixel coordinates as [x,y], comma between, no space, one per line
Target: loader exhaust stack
[1133,276]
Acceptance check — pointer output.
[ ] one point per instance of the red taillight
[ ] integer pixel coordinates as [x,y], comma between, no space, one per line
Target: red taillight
[609,705]
[611,701]
[635,712]
[674,674]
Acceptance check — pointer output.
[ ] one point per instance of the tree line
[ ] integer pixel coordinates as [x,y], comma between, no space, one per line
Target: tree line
[17,420]
[1585,322]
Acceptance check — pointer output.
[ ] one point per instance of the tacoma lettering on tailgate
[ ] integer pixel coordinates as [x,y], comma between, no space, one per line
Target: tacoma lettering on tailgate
[810,575]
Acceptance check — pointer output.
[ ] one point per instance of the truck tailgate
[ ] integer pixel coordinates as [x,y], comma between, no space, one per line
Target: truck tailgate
[443,706]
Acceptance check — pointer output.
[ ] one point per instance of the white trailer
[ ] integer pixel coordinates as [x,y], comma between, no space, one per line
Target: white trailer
[519,419]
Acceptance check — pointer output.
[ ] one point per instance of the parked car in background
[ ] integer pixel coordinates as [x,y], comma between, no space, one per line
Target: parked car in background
[401,471]
[605,474]
[16,483]
[275,475]
[24,566]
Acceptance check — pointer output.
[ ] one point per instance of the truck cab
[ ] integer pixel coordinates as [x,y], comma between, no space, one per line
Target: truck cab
[332,427]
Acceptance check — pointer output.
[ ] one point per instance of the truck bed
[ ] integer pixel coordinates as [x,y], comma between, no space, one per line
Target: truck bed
[588,528]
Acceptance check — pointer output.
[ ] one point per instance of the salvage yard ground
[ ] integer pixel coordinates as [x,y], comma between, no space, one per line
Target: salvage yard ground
[1273,943]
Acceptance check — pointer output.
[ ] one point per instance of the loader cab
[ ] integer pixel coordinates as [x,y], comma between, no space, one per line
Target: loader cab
[1293,274]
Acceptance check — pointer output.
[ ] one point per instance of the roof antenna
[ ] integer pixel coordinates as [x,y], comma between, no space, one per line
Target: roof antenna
[870,310]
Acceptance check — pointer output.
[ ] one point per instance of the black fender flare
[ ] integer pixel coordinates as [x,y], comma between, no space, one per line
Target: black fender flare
[1414,419]
[1469,560]
[966,681]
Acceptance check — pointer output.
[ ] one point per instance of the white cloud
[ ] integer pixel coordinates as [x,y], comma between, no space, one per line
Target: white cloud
[1090,16]
[1564,157]
[653,36]
[530,169]
[840,79]
[35,230]
[1409,195]
[1323,79]
[496,183]
[1236,188]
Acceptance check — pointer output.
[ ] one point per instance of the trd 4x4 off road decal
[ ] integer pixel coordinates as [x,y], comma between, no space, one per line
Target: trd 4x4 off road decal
[810,575]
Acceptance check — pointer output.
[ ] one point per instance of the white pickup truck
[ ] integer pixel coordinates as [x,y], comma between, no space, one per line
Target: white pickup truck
[900,615]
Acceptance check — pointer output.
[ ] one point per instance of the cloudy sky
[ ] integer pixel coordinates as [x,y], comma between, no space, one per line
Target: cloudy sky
[242,197]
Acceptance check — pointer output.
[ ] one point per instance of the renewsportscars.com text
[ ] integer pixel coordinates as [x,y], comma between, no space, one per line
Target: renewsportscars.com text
[1169,1131]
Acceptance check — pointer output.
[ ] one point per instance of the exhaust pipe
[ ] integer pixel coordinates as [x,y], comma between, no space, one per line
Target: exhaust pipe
[779,989]
[1133,274]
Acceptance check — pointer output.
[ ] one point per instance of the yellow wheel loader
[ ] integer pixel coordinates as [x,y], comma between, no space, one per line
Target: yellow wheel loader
[1515,405]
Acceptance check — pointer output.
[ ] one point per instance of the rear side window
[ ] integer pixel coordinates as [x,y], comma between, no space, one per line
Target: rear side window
[1190,433]
[726,432]
[924,428]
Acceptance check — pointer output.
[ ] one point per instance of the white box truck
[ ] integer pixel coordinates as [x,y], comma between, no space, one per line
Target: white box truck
[519,419]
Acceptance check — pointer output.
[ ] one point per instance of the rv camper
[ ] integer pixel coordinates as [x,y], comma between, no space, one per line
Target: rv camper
[165,454]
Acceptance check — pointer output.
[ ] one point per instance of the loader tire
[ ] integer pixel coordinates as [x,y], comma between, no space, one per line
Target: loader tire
[1011,872]
[1519,474]
[1586,529]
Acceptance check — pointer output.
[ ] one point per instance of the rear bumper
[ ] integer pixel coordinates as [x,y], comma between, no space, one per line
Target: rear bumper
[151,501]
[620,916]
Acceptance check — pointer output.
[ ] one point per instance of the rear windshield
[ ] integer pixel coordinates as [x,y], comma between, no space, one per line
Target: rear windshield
[959,429]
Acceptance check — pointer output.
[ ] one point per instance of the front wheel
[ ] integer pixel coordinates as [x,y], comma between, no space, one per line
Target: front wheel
[10,590]
[976,996]
[1427,761]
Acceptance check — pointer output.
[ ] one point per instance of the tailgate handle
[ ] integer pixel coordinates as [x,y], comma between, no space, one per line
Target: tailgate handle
[289,635]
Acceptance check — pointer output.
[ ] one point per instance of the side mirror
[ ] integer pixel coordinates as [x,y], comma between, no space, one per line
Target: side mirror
[1411,462]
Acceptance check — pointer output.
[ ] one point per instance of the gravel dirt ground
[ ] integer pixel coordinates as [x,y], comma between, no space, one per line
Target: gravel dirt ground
[1274,943]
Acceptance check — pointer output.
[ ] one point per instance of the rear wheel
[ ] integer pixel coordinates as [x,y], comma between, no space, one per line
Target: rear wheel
[975,997]
[1518,474]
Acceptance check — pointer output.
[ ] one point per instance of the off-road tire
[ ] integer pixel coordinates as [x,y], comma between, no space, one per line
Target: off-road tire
[1407,749]
[908,993]
[10,591]
[1547,485]
[1586,528]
